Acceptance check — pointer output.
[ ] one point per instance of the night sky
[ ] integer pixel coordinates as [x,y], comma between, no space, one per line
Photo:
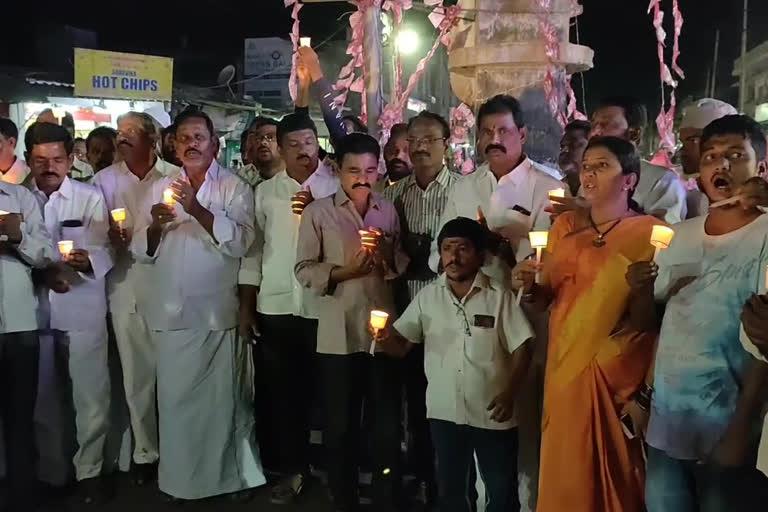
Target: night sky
[619,31]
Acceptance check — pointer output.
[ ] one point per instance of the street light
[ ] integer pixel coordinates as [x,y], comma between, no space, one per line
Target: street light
[407,41]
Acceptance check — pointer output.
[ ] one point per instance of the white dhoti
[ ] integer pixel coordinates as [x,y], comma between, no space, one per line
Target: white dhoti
[139,364]
[78,364]
[205,403]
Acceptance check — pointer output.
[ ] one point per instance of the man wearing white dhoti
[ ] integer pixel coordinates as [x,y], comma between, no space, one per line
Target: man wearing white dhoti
[127,185]
[202,224]
[74,312]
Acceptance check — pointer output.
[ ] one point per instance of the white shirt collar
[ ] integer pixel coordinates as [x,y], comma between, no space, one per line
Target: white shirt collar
[17,173]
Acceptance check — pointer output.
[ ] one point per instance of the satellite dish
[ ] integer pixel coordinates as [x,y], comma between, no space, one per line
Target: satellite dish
[225,77]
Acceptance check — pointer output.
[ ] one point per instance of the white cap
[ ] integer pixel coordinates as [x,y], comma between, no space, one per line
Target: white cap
[704,111]
[160,115]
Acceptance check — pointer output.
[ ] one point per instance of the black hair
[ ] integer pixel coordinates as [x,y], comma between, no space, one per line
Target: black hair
[260,121]
[168,130]
[357,144]
[426,115]
[502,104]
[738,125]
[628,157]
[8,128]
[463,227]
[195,113]
[578,125]
[78,139]
[634,111]
[101,132]
[398,130]
[294,123]
[45,133]
[359,126]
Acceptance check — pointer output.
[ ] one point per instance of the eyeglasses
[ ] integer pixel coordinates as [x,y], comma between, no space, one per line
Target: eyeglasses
[264,138]
[413,141]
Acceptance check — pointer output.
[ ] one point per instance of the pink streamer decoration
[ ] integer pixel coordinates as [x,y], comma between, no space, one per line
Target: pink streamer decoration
[462,121]
[292,84]
[552,51]
[573,112]
[444,19]
[666,117]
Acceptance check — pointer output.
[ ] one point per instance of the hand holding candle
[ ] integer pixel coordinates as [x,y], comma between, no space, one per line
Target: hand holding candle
[301,200]
[378,322]
[661,237]
[168,197]
[558,192]
[370,238]
[65,247]
[119,216]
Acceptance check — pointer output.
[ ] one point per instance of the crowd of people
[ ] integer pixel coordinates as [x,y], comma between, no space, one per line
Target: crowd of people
[237,302]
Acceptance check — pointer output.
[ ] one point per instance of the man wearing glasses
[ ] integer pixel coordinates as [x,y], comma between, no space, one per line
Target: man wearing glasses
[261,151]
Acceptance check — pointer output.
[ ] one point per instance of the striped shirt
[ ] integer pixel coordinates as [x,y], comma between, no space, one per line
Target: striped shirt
[420,211]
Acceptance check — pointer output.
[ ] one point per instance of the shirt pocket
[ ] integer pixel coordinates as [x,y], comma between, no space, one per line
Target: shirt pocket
[480,347]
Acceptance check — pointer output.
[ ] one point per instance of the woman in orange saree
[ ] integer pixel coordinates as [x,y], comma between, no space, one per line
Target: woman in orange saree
[595,361]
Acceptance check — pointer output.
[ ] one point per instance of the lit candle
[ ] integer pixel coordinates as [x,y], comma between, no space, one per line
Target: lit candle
[304,41]
[168,196]
[661,237]
[118,215]
[378,322]
[369,237]
[297,207]
[65,247]
[538,241]
[558,192]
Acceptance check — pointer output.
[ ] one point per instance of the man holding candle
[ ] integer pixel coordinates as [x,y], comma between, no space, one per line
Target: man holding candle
[510,189]
[75,321]
[476,361]
[191,251]
[420,199]
[352,280]
[705,386]
[12,169]
[24,245]
[287,316]
[129,184]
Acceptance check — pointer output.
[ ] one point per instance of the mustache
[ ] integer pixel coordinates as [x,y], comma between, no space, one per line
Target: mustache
[491,147]
[417,153]
[48,173]
[397,161]
[190,151]
[358,185]
[125,142]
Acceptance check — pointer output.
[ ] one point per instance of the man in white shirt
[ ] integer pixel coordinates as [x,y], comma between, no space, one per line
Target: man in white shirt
[476,359]
[24,245]
[659,190]
[129,185]
[74,315]
[287,319]
[509,189]
[192,250]
[12,169]
[81,170]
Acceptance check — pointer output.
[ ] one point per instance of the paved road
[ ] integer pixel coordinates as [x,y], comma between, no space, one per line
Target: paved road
[148,499]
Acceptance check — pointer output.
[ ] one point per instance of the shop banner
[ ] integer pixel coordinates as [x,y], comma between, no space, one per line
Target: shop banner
[100,74]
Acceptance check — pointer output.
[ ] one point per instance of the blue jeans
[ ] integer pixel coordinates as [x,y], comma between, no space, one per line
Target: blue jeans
[674,485]
[496,452]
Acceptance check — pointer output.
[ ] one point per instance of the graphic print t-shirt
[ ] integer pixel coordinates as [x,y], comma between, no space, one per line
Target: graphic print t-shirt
[700,361]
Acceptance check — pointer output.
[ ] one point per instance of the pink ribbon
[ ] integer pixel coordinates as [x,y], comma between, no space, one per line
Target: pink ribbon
[462,121]
[548,32]
[292,85]
[666,117]
[444,19]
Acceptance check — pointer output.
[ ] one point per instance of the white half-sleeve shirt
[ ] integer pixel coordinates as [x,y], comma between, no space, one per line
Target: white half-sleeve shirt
[468,346]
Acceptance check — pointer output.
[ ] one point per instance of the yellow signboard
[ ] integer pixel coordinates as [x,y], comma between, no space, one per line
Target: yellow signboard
[100,74]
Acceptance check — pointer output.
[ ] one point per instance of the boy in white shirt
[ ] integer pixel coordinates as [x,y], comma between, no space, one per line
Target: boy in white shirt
[476,357]
[75,313]
[703,381]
